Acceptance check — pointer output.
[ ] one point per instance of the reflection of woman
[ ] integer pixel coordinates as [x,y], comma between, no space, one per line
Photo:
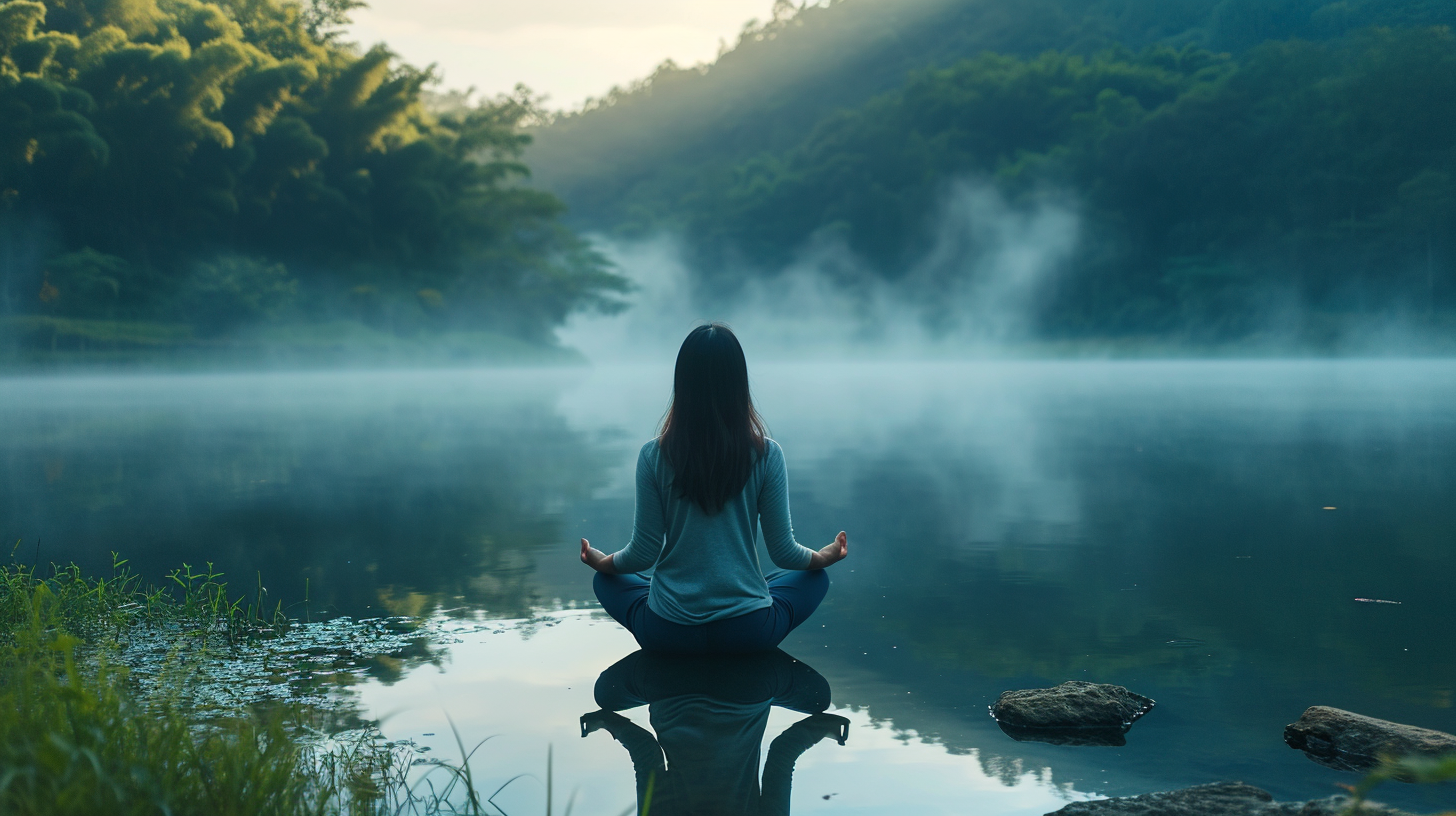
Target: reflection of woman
[703,485]
[710,714]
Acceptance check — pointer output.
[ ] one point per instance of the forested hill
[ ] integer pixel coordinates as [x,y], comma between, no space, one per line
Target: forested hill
[181,173]
[1224,157]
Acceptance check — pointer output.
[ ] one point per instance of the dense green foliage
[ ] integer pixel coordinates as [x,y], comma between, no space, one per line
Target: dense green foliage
[80,746]
[99,610]
[216,164]
[77,740]
[79,735]
[1232,163]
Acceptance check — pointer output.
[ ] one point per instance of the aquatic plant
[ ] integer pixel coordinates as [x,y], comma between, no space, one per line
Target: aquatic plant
[80,735]
[73,740]
[1417,769]
[101,610]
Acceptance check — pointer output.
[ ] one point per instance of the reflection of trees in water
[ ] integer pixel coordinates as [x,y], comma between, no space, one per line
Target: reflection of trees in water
[1009,771]
[1029,602]
[1194,552]
[393,510]
[1201,542]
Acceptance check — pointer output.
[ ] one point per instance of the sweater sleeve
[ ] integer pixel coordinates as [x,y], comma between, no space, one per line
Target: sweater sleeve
[648,524]
[773,513]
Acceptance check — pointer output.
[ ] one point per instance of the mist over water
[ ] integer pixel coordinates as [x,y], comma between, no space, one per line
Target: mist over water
[1013,524]
[972,292]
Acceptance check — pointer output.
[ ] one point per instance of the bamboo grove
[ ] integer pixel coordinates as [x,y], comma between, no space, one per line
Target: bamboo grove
[214,165]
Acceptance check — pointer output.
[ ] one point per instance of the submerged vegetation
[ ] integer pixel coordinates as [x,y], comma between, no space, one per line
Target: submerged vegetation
[177,173]
[82,731]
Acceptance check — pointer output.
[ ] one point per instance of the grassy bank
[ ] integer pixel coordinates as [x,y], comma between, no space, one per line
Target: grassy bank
[82,733]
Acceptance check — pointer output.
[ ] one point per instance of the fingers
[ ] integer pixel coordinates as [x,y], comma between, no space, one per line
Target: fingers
[834,552]
[841,550]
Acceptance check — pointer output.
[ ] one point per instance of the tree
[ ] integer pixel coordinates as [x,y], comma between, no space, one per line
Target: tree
[187,160]
[322,19]
[1428,202]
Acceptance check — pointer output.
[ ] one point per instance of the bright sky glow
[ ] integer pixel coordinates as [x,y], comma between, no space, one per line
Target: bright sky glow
[568,49]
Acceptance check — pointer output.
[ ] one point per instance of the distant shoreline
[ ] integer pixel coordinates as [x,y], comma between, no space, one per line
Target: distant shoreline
[41,344]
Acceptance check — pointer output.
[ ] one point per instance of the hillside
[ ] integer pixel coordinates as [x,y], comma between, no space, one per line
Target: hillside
[630,158]
[1230,163]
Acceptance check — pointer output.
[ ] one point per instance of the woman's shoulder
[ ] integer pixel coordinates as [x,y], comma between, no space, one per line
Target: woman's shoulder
[650,449]
[771,451]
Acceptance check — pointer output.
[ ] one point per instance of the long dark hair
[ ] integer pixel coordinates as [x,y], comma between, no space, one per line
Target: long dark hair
[711,431]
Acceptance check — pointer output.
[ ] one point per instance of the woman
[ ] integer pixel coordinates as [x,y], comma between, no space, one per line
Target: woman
[703,485]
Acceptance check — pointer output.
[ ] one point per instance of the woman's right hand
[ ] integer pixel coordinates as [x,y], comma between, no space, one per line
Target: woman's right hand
[832,553]
[596,559]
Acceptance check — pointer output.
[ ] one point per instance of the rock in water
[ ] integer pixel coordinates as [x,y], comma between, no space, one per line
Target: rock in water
[1220,799]
[1074,704]
[1353,742]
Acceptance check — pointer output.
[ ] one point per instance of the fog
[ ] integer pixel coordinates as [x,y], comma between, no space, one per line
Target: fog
[977,291]
[973,292]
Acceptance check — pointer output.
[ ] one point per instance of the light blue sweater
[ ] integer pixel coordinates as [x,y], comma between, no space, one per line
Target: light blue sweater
[706,565]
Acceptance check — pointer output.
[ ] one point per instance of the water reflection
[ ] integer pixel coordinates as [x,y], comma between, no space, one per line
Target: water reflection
[366,495]
[1076,737]
[1158,526]
[710,714]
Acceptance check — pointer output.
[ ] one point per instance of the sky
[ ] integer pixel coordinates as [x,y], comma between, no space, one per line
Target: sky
[570,50]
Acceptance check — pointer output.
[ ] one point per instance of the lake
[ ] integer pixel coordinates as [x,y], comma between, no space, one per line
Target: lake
[1196,531]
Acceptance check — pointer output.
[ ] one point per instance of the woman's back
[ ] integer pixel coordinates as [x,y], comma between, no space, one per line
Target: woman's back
[705,565]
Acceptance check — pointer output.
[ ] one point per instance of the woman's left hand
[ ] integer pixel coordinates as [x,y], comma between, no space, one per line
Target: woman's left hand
[596,559]
[832,553]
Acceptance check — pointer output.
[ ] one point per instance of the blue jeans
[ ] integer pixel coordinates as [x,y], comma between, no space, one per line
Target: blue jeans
[795,594]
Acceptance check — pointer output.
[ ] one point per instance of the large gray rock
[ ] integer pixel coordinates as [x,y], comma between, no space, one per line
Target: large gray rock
[1220,799]
[1353,742]
[1072,705]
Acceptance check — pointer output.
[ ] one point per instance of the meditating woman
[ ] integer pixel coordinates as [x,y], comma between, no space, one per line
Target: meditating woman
[703,485]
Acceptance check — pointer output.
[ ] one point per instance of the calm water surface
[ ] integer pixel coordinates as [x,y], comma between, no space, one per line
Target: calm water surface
[1197,532]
